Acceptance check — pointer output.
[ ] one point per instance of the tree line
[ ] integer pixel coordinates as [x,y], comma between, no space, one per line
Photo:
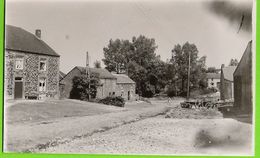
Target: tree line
[138,59]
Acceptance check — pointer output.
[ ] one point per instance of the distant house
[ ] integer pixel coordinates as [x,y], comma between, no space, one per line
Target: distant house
[107,80]
[243,82]
[125,87]
[31,66]
[213,80]
[226,82]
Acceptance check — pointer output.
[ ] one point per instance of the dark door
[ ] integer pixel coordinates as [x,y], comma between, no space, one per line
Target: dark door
[128,95]
[18,90]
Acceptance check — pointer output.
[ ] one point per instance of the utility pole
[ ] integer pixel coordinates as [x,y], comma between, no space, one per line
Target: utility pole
[88,73]
[188,88]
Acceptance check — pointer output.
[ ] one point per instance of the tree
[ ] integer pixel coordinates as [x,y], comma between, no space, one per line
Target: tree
[136,57]
[180,60]
[212,70]
[97,64]
[233,62]
[83,87]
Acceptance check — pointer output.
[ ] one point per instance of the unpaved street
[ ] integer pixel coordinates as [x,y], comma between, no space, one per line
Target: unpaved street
[138,128]
[53,128]
[167,136]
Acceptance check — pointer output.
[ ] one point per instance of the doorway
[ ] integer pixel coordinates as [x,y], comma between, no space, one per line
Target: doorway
[128,95]
[18,88]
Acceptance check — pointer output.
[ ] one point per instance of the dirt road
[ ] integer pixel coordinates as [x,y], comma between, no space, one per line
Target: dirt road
[29,136]
[166,137]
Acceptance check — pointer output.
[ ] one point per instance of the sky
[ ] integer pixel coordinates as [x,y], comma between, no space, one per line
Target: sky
[72,28]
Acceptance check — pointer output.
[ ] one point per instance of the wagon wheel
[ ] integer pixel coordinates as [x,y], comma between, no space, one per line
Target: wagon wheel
[207,105]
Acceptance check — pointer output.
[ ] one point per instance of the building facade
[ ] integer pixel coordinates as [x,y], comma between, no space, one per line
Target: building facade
[213,80]
[243,82]
[110,84]
[125,87]
[31,66]
[226,82]
[106,88]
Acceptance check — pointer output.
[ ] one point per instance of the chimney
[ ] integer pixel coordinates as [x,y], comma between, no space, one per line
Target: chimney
[38,33]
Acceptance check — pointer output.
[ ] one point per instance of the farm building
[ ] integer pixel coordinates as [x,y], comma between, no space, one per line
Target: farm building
[125,87]
[110,84]
[31,66]
[213,80]
[243,82]
[226,82]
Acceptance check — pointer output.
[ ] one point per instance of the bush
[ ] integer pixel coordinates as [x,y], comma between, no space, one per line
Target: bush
[116,101]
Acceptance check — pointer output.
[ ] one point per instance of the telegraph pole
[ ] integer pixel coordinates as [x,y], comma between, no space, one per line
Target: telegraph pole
[88,73]
[188,88]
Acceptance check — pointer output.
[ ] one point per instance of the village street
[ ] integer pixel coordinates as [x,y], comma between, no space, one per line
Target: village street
[139,127]
[34,125]
[162,136]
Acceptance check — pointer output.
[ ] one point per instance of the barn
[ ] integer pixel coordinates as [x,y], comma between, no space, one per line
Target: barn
[107,82]
[243,82]
[226,82]
[31,66]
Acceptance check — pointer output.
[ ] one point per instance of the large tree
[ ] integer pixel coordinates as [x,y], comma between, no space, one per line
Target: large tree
[180,60]
[138,59]
[84,88]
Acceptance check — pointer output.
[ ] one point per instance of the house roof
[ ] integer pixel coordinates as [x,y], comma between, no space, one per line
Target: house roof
[103,73]
[228,72]
[247,54]
[213,75]
[61,75]
[19,39]
[123,79]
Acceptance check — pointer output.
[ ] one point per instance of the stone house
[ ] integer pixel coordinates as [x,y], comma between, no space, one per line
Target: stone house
[110,84]
[243,82]
[125,87]
[106,88]
[213,80]
[226,82]
[31,66]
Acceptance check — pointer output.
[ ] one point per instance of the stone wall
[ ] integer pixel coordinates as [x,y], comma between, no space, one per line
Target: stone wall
[30,74]
[123,89]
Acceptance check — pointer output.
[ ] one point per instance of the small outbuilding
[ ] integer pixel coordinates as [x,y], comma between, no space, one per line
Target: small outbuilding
[243,82]
[125,87]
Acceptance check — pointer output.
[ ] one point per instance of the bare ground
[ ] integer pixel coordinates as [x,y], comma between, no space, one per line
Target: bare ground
[54,128]
[167,137]
[139,128]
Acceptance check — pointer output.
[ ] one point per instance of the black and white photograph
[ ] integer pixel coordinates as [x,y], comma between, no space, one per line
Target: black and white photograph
[134,77]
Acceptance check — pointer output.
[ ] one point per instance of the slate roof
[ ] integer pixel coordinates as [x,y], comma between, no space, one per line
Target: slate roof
[228,72]
[123,79]
[19,39]
[103,73]
[213,75]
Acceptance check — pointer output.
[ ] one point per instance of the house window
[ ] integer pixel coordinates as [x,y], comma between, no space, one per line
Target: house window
[19,63]
[114,93]
[43,64]
[42,84]
[212,84]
